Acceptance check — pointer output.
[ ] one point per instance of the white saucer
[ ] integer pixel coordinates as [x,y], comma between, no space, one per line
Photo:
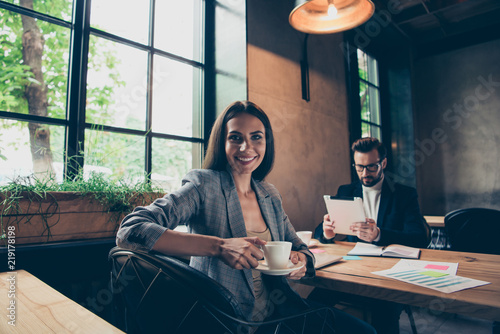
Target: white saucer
[263,268]
[313,243]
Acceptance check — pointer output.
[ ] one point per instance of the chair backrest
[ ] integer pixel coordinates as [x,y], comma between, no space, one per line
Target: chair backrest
[474,230]
[161,294]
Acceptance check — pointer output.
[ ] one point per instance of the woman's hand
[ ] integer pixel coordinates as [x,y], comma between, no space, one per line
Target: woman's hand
[367,231]
[297,257]
[240,253]
[328,227]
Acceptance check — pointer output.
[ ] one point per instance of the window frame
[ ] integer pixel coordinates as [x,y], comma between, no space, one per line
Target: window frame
[353,98]
[75,123]
[369,84]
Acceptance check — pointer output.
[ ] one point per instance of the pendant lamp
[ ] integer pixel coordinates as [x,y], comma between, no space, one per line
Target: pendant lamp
[330,16]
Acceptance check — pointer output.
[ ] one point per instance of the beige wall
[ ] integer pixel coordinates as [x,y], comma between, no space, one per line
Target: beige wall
[312,138]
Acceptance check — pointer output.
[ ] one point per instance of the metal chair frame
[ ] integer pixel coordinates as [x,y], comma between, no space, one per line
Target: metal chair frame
[133,270]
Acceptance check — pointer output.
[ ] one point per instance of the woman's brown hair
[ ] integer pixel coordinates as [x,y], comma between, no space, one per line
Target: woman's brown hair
[215,157]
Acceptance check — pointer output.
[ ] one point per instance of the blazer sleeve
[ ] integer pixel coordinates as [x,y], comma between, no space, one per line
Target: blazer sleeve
[144,226]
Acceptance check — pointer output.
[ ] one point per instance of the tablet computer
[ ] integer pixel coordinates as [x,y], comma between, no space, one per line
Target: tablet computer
[345,211]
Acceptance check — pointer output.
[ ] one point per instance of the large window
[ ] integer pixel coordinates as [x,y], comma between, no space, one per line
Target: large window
[114,86]
[369,96]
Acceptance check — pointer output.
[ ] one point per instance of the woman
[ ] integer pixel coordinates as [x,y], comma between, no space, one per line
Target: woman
[230,211]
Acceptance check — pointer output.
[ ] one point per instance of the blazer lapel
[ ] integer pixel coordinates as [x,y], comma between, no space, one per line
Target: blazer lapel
[235,216]
[233,206]
[266,207]
[358,190]
[385,198]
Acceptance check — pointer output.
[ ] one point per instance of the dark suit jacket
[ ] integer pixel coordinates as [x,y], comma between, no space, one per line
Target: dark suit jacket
[399,218]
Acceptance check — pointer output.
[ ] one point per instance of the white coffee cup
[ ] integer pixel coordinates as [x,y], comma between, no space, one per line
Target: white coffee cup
[277,254]
[305,236]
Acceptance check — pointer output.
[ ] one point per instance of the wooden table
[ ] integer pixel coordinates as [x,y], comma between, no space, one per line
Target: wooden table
[41,309]
[355,277]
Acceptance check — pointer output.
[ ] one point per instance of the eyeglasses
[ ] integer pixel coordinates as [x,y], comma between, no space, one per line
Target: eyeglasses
[371,167]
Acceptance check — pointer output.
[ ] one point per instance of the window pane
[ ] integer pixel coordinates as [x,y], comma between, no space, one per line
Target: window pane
[375,132]
[372,69]
[61,8]
[124,18]
[368,130]
[362,65]
[20,158]
[365,130]
[178,27]
[370,103]
[21,90]
[172,160]
[176,98]
[115,155]
[363,100]
[374,105]
[116,85]
[368,68]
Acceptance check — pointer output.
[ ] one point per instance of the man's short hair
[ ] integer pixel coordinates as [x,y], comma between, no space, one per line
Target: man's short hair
[367,144]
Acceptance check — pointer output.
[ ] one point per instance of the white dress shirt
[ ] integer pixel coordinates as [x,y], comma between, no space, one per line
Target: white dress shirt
[371,201]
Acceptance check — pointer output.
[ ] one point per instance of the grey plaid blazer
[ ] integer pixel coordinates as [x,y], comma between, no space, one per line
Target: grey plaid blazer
[208,203]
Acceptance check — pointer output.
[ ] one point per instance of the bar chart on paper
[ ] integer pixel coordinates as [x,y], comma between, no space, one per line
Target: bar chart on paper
[437,276]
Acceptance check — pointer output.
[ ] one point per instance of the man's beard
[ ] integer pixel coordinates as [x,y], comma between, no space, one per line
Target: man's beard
[371,181]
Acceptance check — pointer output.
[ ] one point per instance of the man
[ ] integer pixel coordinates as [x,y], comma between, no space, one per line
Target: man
[392,216]
[392,209]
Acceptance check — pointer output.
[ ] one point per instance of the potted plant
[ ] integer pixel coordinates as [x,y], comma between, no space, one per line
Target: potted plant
[85,208]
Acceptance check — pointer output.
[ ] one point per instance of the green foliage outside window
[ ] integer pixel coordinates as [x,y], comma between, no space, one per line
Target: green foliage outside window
[369,96]
[122,154]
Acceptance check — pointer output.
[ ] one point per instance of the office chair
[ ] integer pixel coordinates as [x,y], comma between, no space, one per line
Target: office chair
[474,230]
[160,294]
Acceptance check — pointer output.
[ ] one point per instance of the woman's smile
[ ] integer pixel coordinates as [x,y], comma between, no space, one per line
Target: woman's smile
[246,160]
[245,143]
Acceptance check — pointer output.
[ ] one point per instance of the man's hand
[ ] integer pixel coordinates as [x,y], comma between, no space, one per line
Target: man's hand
[367,231]
[328,228]
[297,257]
[240,253]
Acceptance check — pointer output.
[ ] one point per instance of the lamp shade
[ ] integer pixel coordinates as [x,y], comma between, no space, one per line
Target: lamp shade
[330,16]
